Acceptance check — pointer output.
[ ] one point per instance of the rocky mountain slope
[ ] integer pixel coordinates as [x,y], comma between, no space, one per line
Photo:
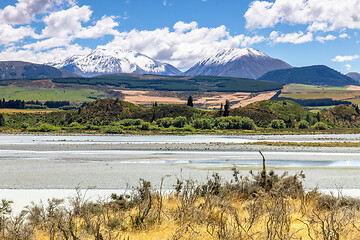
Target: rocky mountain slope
[244,63]
[21,70]
[105,61]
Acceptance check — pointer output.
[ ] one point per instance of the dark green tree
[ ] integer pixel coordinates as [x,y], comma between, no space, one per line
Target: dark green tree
[190,102]
[226,108]
[289,122]
[309,119]
[318,117]
[2,120]
[357,109]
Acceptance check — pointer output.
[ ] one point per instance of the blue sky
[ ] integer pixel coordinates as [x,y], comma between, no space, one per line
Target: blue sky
[182,32]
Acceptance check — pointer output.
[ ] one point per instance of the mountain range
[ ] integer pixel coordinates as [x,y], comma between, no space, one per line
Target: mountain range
[354,75]
[106,61]
[21,70]
[243,63]
[311,75]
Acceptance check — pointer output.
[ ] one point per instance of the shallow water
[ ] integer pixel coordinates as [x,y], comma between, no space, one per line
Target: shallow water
[45,161]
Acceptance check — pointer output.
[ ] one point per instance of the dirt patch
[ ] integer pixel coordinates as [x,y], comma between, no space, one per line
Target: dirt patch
[44,83]
[353,88]
[259,97]
[204,100]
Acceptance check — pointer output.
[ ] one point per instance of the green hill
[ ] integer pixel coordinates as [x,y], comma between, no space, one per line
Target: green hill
[312,75]
[343,115]
[282,109]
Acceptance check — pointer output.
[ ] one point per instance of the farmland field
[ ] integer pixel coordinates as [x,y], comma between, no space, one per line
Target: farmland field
[46,94]
[299,91]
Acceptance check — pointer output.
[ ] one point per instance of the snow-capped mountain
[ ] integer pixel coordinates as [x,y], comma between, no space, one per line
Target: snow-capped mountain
[112,61]
[235,62]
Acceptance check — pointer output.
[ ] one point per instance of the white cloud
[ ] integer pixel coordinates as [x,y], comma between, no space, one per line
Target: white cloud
[295,38]
[24,11]
[348,66]
[17,54]
[324,15]
[345,58]
[10,34]
[184,46]
[344,35]
[327,38]
[181,27]
[103,27]
[66,22]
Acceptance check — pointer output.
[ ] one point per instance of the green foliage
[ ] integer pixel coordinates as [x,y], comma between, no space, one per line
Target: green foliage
[2,120]
[180,122]
[282,109]
[303,124]
[145,126]
[202,123]
[114,129]
[44,127]
[343,115]
[164,122]
[320,126]
[277,124]
[226,108]
[289,123]
[190,101]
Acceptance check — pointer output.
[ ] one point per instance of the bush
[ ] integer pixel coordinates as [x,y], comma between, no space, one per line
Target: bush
[114,129]
[180,122]
[303,124]
[164,122]
[248,124]
[223,123]
[202,123]
[145,126]
[277,124]
[320,126]
[45,127]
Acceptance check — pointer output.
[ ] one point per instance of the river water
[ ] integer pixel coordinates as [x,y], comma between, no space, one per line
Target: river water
[36,165]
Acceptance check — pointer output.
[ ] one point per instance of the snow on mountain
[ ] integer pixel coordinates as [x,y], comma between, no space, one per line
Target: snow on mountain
[112,61]
[235,62]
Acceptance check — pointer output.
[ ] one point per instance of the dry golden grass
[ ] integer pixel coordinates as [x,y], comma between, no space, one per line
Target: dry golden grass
[267,207]
[242,219]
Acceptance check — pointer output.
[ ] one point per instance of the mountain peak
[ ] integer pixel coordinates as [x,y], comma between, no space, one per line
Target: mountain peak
[236,62]
[232,54]
[111,61]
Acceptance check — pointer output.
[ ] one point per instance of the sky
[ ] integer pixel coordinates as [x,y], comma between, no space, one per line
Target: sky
[182,32]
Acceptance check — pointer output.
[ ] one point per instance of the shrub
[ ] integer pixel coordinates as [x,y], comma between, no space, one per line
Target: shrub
[248,124]
[320,126]
[180,122]
[303,124]
[223,123]
[145,126]
[164,122]
[114,129]
[277,124]
[202,123]
[45,127]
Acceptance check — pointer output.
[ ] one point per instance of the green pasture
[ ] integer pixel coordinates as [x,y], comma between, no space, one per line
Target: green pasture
[43,94]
